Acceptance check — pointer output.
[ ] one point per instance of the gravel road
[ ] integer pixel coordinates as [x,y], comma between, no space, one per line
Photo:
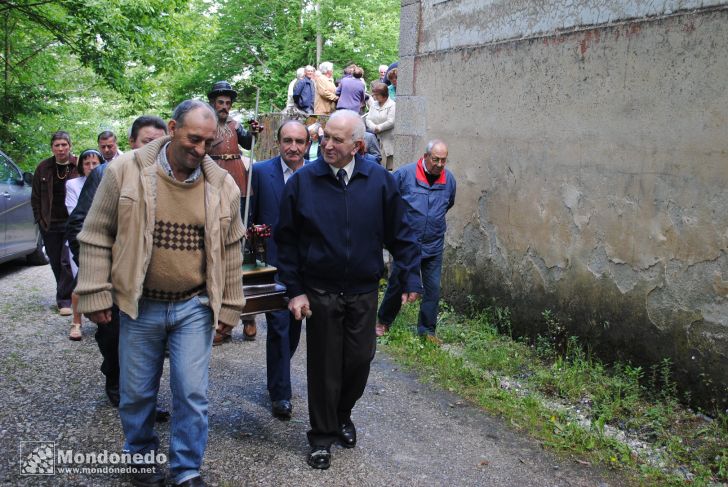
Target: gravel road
[409,433]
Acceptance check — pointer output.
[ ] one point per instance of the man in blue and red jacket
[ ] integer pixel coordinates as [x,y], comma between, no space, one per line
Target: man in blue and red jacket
[337,213]
[429,189]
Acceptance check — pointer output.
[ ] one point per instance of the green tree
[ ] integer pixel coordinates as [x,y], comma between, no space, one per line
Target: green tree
[89,65]
[366,33]
[62,54]
[261,44]
[257,44]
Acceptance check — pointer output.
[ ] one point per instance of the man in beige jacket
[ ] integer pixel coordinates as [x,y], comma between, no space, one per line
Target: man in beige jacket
[164,234]
[325,100]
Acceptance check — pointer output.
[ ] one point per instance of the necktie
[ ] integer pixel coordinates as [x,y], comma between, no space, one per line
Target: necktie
[340,176]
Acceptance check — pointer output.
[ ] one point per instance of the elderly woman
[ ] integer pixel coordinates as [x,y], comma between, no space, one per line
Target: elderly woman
[392,77]
[87,161]
[380,121]
[314,135]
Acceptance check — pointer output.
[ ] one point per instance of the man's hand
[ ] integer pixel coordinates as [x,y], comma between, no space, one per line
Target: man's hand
[299,307]
[410,297]
[100,317]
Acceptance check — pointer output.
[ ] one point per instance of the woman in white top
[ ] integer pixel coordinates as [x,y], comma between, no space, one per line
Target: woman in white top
[87,161]
[314,135]
[380,121]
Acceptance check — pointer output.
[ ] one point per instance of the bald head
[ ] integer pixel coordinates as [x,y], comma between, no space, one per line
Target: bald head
[193,128]
[353,120]
[187,106]
[343,136]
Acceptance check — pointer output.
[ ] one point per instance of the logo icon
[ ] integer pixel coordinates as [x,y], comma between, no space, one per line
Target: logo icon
[37,457]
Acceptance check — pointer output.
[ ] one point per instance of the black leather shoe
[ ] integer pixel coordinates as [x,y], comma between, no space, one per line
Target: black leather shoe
[112,392]
[193,482]
[140,475]
[347,435]
[282,409]
[320,457]
[162,415]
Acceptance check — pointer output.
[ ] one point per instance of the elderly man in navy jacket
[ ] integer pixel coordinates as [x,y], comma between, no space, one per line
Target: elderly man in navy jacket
[429,189]
[304,91]
[337,213]
[284,331]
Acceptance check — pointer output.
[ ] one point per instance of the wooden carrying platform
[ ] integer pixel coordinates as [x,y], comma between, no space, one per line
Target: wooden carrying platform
[262,293]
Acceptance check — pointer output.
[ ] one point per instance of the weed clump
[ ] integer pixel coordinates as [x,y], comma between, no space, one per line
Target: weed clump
[619,415]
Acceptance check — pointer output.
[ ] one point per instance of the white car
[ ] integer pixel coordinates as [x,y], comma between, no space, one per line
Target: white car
[19,235]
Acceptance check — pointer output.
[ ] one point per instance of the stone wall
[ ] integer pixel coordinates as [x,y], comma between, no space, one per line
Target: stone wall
[590,144]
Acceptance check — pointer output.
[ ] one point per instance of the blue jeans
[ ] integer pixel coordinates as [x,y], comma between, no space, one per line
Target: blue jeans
[187,327]
[431,269]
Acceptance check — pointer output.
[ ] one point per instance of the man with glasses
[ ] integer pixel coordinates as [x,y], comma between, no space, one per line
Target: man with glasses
[429,189]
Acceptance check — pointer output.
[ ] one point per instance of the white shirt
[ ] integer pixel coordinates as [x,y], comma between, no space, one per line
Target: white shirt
[73,190]
[118,153]
[287,171]
[313,150]
[349,168]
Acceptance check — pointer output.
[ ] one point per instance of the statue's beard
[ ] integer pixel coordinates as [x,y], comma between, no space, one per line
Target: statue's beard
[223,131]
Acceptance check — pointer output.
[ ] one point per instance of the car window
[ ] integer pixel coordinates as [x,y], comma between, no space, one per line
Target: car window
[8,172]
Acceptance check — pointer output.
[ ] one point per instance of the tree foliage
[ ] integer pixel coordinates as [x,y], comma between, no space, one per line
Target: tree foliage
[261,44]
[90,65]
[59,53]
[366,33]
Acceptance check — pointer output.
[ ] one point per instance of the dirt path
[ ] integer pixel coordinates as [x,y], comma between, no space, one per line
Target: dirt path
[409,433]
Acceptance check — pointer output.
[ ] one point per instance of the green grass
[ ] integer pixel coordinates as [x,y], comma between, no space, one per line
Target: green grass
[537,386]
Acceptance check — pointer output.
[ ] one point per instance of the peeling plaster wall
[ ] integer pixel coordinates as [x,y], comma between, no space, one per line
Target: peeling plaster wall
[590,144]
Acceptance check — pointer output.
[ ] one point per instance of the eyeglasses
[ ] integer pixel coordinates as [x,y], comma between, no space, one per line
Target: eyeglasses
[438,160]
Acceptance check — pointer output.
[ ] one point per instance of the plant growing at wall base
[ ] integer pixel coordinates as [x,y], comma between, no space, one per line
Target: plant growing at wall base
[538,388]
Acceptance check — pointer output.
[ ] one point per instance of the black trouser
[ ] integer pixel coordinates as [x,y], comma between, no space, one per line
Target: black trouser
[340,343]
[60,258]
[107,337]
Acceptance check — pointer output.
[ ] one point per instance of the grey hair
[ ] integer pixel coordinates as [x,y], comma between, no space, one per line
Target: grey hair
[431,145]
[300,72]
[326,67]
[357,132]
[310,68]
[383,66]
[106,134]
[187,106]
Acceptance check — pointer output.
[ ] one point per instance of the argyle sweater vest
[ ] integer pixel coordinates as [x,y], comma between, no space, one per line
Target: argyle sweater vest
[177,266]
